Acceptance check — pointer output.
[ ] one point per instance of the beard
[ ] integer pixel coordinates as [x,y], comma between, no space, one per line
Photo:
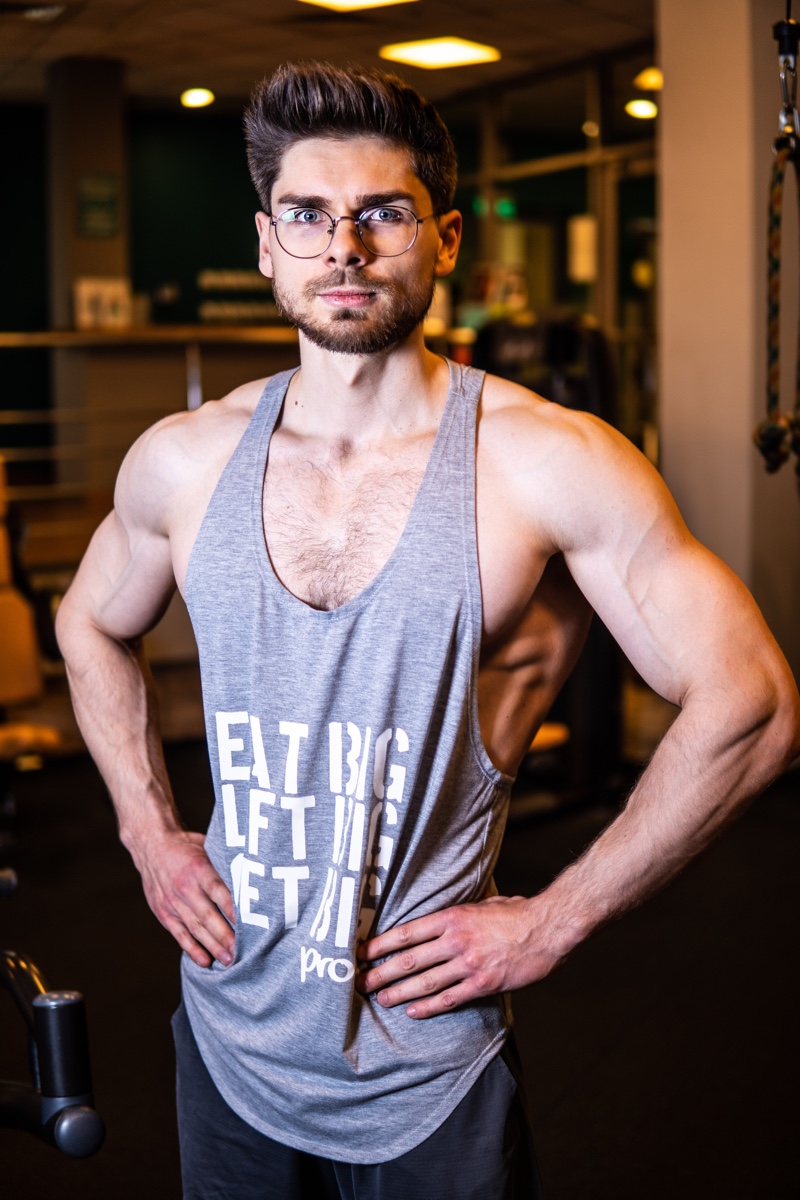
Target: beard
[352,330]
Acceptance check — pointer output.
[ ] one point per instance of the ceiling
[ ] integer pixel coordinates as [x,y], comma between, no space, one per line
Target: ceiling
[227,45]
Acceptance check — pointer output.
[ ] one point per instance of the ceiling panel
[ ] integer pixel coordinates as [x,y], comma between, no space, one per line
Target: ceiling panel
[171,44]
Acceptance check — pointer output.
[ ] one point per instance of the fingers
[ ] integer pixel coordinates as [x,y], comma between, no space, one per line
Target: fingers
[401,965]
[191,901]
[417,987]
[450,958]
[414,933]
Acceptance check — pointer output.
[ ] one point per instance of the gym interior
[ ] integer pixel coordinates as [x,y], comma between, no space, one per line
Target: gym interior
[624,232]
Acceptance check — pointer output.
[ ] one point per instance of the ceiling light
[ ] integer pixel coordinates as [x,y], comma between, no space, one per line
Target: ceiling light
[651,79]
[432,53]
[645,110]
[197,98]
[345,6]
[43,12]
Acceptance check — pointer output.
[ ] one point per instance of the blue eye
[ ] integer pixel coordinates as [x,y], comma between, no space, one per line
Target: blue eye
[302,216]
[383,216]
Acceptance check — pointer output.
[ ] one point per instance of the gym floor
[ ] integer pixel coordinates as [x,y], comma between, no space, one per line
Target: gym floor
[661,1060]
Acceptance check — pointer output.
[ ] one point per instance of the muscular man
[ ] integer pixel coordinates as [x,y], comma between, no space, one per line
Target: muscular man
[390,563]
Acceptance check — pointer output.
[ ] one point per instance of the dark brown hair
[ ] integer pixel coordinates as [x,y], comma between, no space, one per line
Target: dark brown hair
[316,99]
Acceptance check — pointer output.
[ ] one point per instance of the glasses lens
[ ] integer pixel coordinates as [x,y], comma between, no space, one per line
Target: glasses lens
[387,231]
[303,232]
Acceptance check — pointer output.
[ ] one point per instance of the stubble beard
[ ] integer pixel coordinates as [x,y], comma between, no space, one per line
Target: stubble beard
[356,330]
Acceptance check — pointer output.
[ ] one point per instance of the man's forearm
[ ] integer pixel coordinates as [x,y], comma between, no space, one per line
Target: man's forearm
[115,704]
[708,767]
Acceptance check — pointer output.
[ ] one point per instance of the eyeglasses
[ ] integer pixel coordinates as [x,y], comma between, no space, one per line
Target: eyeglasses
[385,231]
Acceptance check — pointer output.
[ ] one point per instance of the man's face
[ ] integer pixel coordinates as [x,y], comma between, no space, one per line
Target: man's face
[348,300]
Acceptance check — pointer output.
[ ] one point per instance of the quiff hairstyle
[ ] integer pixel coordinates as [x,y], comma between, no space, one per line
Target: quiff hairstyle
[316,99]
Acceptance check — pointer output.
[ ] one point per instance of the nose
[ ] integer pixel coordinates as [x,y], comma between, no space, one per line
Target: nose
[346,248]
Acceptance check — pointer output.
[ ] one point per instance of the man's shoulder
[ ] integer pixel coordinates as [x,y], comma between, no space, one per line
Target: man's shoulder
[197,439]
[516,422]
[184,453]
[561,471]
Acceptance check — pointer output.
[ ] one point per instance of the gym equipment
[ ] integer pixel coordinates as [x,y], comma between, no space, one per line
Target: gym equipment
[778,435]
[58,1107]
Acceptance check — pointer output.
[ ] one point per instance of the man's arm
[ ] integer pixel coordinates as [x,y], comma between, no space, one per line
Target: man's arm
[693,632]
[121,589]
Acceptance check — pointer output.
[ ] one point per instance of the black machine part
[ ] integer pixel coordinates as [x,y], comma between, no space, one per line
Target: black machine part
[59,1107]
[787,35]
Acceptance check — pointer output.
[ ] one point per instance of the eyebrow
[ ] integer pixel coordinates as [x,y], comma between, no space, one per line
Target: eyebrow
[371,200]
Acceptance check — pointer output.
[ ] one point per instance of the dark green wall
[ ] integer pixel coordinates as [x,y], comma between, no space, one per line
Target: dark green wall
[192,202]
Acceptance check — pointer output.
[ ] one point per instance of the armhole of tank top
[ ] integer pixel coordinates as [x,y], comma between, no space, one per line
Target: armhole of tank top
[276,385]
[471,388]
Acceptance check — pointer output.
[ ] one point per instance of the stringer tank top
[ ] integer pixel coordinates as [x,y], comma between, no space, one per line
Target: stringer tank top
[353,793]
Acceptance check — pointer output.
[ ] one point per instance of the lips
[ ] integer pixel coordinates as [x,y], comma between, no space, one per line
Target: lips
[347,298]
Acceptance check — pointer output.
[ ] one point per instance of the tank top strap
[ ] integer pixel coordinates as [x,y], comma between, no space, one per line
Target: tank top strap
[467,381]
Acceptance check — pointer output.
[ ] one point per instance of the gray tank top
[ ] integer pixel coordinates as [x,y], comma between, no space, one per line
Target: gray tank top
[353,793]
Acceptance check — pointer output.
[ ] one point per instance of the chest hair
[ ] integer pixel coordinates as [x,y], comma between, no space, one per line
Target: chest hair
[333,517]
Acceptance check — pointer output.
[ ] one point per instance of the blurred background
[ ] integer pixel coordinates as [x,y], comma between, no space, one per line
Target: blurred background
[615,160]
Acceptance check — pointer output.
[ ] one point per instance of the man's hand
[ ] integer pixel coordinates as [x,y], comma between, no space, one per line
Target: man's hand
[459,954]
[188,896]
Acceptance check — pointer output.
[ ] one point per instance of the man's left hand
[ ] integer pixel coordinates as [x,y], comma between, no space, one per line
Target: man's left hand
[446,959]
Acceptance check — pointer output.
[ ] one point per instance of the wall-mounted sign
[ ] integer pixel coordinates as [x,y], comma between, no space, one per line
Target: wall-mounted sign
[98,206]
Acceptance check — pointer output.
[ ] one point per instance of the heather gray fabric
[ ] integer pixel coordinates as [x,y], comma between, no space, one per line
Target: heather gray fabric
[353,792]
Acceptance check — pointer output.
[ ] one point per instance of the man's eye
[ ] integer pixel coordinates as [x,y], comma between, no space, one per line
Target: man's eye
[302,216]
[382,216]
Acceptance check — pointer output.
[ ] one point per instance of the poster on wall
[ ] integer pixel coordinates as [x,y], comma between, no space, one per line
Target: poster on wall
[98,206]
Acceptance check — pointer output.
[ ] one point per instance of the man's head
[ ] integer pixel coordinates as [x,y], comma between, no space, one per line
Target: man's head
[356,173]
[304,100]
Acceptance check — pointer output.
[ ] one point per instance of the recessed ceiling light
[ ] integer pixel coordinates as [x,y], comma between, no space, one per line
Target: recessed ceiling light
[43,12]
[651,79]
[343,6]
[645,110]
[197,98]
[433,53]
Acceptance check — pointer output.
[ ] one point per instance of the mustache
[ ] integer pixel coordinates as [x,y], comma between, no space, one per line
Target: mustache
[347,279]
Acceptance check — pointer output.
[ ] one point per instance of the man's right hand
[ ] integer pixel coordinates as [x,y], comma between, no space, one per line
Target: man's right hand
[188,896]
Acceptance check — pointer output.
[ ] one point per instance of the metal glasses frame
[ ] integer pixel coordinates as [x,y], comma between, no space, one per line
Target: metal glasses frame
[357,221]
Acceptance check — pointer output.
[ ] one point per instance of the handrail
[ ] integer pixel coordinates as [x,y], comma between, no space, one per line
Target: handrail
[148,335]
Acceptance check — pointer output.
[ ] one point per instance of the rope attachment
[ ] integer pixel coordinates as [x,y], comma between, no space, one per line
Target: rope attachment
[778,435]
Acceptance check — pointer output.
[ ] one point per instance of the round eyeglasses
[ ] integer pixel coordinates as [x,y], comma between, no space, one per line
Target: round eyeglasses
[385,231]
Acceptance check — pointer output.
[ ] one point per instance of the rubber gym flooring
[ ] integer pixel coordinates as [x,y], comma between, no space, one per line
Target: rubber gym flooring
[662,1059]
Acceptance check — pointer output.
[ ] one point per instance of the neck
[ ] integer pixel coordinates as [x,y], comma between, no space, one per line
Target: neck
[365,396]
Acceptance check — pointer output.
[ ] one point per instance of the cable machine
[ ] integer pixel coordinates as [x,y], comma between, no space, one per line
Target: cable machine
[778,435]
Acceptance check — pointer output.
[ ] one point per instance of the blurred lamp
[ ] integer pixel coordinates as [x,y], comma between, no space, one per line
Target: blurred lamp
[197,98]
[645,110]
[345,6]
[433,53]
[651,79]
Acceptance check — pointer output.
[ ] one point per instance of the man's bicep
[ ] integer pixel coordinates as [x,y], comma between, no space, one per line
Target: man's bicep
[681,615]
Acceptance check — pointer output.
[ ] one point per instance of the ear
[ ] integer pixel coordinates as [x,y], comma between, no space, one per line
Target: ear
[264,252]
[450,226]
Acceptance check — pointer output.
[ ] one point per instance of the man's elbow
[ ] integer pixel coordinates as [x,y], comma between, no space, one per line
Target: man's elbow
[67,625]
[73,627]
[781,727]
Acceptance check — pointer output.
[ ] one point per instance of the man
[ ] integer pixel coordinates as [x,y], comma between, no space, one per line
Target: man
[385,606]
